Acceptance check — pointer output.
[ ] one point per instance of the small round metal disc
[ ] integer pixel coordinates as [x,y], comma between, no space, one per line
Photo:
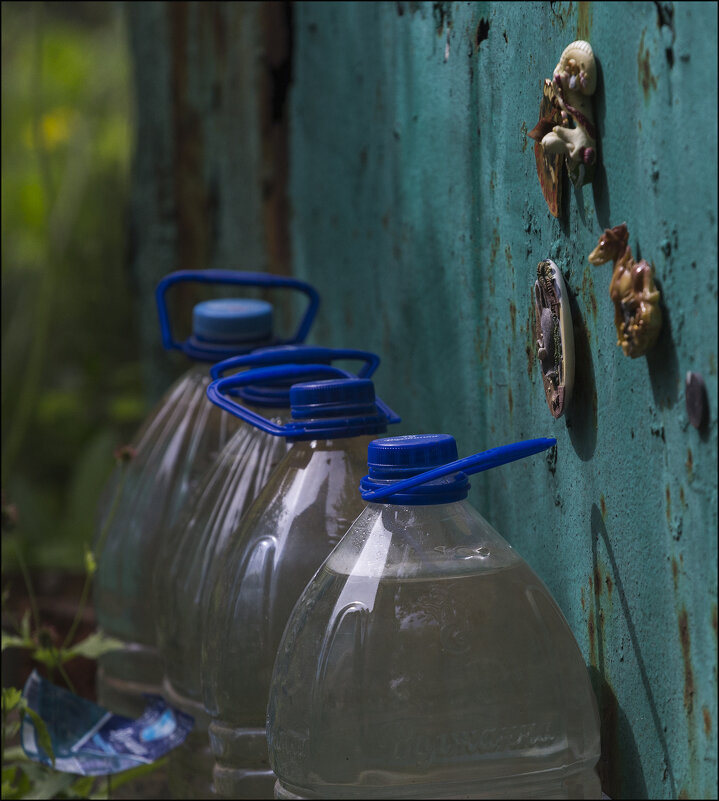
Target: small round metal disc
[696,399]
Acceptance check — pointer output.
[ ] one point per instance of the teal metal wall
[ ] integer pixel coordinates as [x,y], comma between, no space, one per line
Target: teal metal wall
[418,214]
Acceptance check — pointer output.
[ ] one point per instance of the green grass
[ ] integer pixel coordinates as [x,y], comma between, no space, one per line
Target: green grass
[71,385]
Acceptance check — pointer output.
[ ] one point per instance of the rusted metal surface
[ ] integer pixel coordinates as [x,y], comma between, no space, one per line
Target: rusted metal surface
[411,180]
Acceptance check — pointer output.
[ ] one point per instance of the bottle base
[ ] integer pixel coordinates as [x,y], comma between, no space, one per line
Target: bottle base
[575,785]
[238,783]
[242,766]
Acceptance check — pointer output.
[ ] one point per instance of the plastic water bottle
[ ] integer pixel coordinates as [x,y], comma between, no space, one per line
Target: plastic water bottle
[287,532]
[426,659]
[186,572]
[176,445]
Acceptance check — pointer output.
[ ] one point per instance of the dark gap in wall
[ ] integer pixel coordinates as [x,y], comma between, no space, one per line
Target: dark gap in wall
[665,18]
[482,32]
[277,25]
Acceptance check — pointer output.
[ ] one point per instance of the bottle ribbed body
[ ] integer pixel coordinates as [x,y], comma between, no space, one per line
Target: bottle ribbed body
[300,515]
[184,577]
[175,446]
[426,659]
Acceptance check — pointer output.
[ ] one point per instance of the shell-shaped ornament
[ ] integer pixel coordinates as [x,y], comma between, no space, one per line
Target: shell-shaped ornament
[554,336]
[566,132]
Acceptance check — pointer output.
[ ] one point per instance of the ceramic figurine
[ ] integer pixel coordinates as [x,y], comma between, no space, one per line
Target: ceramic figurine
[549,165]
[566,131]
[637,313]
[554,336]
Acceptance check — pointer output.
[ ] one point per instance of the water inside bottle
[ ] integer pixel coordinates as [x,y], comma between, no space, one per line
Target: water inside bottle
[449,670]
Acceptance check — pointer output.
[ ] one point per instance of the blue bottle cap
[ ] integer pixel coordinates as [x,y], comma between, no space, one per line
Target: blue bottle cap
[342,397]
[392,459]
[232,320]
[401,457]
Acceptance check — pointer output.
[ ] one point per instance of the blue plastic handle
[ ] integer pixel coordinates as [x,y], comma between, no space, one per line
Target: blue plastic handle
[217,388]
[269,357]
[265,374]
[485,460]
[236,278]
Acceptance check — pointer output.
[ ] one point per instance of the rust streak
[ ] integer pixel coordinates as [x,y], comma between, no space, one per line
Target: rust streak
[675,573]
[685,640]
[669,504]
[530,360]
[690,463]
[513,316]
[191,200]
[494,247]
[610,584]
[508,257]
[603,505]
[646,79]
[510,399]
[590,300]
[707,721]
[584,20]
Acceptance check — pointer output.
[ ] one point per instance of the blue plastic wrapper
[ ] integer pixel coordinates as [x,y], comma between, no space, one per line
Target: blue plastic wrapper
[90,741]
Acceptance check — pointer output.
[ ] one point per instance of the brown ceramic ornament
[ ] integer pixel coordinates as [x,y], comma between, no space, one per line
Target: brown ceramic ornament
[637,313]
[549,165]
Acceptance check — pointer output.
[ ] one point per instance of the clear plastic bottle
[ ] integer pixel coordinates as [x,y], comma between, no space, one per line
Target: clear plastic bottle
[177,444]
[426,659]
[186,572]
[285,535]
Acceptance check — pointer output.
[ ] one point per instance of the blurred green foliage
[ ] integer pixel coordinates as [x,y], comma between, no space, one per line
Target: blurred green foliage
[71,382]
